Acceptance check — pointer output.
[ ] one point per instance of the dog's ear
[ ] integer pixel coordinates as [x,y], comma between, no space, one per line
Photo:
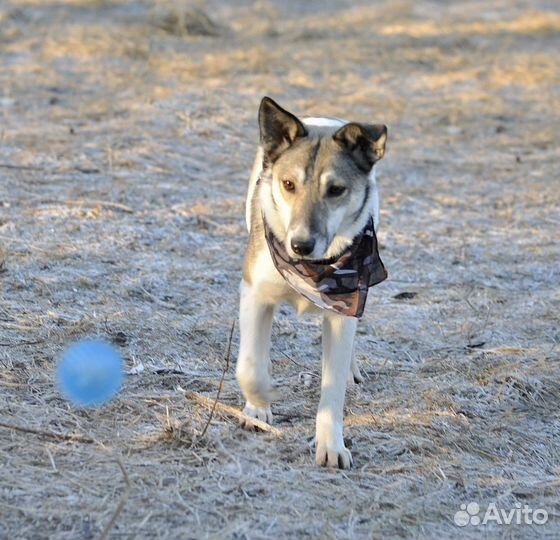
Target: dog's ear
[364,142]
[279,129]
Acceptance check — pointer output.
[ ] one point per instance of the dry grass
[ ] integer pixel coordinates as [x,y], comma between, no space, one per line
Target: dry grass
[124,153]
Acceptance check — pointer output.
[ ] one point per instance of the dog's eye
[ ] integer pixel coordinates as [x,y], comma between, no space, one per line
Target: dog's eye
[288,185]
[335,191]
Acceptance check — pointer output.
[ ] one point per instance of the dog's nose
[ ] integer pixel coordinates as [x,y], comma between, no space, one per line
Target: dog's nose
[303,247]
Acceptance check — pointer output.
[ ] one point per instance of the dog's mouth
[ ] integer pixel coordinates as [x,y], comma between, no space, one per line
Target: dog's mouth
[315,261]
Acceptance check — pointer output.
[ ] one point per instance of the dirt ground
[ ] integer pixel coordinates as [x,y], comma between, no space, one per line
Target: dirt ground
[127,132]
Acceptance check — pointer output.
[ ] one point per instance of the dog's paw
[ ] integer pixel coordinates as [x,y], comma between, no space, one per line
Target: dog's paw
[260,413]
[330,450]
[337,456]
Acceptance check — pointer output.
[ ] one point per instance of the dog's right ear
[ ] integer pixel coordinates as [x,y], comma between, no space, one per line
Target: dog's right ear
[279,129]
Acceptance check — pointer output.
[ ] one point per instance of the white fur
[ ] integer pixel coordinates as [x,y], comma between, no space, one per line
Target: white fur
[338,343]
[258,300]
[320,121]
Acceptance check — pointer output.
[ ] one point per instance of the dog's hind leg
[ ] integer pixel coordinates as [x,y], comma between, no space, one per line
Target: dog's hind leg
[253,364]
[338,341]
[355,375]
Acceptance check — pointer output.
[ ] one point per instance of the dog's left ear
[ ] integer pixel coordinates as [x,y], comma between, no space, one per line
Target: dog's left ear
[279,129]
[364,142]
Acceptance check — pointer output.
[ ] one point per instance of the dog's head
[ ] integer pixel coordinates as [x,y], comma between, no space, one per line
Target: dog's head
[318,197]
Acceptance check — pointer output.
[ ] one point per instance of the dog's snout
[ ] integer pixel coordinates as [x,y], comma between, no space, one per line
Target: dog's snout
[303,247]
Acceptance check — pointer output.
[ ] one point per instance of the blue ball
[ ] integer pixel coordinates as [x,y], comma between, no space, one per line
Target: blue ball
[90,373]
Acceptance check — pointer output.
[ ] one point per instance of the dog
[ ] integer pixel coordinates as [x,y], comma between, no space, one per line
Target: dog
[312,202]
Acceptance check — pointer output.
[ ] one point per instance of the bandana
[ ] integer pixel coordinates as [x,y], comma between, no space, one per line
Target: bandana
[339,284]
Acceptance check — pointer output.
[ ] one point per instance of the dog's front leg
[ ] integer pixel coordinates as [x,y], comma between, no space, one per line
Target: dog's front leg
[253,363]
[338,340]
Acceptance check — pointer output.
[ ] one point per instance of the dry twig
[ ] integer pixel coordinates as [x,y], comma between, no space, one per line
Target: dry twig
[74,437]
[98,202]
[120,506]
[228,410]
[226,367]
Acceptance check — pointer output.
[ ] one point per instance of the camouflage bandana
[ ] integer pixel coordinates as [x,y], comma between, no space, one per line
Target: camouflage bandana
[339,284]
